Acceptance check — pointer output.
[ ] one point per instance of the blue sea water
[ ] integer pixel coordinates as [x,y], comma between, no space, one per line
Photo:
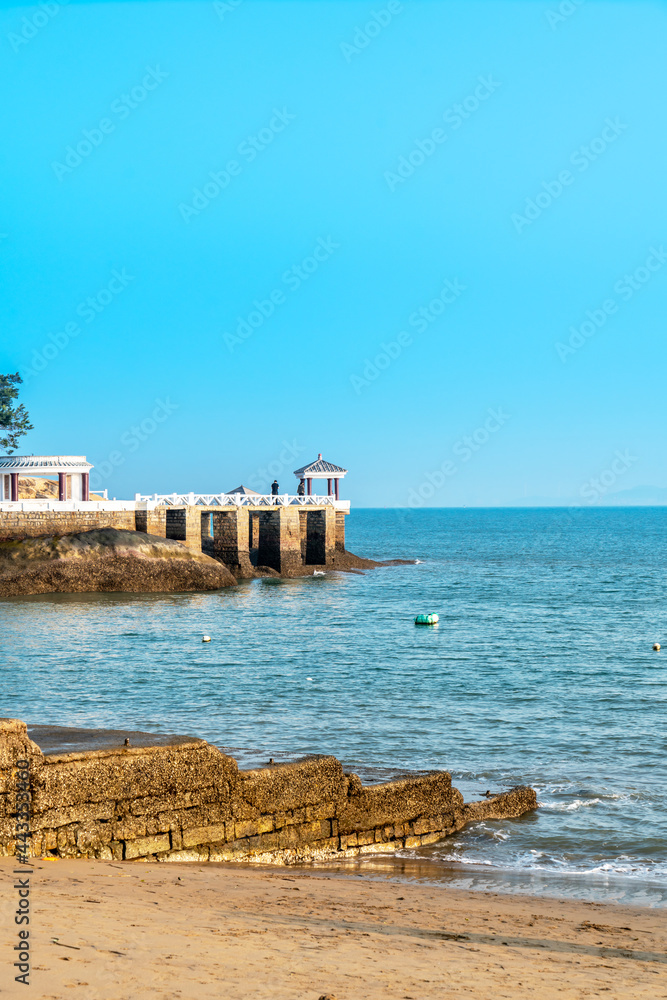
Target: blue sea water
[541,671]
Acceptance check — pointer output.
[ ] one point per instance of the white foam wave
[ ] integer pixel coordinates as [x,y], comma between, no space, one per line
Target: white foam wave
[568,806]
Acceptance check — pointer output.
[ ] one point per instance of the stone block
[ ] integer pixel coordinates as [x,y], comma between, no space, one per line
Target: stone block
[431,838]
[204,835]
[200,854]
[265,824]
[427,824]
[411,842]
[247,828]
[146,845]
[128,828]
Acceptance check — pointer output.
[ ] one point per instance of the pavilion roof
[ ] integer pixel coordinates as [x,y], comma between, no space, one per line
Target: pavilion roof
[43,465]
[321,468]
[245,490]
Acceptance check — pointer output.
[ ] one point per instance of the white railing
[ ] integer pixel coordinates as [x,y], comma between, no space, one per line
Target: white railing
[34,506]
[237,500]
[150,501]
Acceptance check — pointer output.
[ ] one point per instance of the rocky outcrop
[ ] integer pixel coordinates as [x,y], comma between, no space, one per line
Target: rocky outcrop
[190,802]
[105,559]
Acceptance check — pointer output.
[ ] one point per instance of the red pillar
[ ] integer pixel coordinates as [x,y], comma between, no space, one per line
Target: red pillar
[85,486]
[62,486]
[310,486]
[14,485]
[336,481]
[329,491]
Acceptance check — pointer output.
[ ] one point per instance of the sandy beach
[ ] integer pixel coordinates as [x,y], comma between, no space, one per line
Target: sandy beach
[115,931]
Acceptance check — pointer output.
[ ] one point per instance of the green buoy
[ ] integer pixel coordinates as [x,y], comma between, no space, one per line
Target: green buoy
[427,620]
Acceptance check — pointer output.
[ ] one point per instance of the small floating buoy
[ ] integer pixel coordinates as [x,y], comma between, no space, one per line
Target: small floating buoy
[656,646]
[206,638]
[427,620]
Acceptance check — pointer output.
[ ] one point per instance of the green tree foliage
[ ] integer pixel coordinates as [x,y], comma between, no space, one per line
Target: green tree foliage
[14,420]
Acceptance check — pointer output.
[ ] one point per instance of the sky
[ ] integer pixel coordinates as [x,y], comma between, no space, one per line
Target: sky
[426,239]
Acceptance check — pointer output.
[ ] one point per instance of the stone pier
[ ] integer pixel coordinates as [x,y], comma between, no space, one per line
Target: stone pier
[187,801]
[285,537]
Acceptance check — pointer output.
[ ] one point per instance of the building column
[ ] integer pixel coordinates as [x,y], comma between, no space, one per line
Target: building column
[231,540]
[280,539]
[340,530]
[336,481]
[152,521]
[14,481]
[328,487]
[85,486]
[62,486]
[310,486]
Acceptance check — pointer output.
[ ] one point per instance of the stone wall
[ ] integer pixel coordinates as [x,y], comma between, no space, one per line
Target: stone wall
[340,531]
[190,802]
[17,524]
[152,522]
[280,539]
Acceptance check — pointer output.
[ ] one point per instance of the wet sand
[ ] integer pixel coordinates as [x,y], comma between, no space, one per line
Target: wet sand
[115,931]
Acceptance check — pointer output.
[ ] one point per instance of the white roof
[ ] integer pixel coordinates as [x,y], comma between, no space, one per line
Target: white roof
[320,469]
[44,465]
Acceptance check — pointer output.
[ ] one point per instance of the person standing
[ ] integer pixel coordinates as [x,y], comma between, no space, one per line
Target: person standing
[274,488]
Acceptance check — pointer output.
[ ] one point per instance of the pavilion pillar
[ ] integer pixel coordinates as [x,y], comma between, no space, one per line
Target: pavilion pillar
[336,481]
[62,486]
[310,486]
[85,486]
[14,485]
[329,491]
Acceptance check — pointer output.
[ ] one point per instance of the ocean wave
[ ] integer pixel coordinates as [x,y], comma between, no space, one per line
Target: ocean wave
[568,806]
[537,861]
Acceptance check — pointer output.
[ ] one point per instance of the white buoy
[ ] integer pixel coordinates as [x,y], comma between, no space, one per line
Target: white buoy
[656,646]
[206,638]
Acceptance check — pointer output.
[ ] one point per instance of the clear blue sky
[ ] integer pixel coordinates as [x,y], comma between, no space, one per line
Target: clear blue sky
[322,139]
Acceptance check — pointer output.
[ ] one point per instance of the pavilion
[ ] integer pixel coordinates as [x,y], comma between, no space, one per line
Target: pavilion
[73,472]
[319,469]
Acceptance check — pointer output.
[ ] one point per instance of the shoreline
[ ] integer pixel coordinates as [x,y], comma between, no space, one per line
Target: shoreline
[285,933]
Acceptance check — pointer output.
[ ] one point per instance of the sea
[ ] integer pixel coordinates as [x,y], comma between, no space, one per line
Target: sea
[540,671]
